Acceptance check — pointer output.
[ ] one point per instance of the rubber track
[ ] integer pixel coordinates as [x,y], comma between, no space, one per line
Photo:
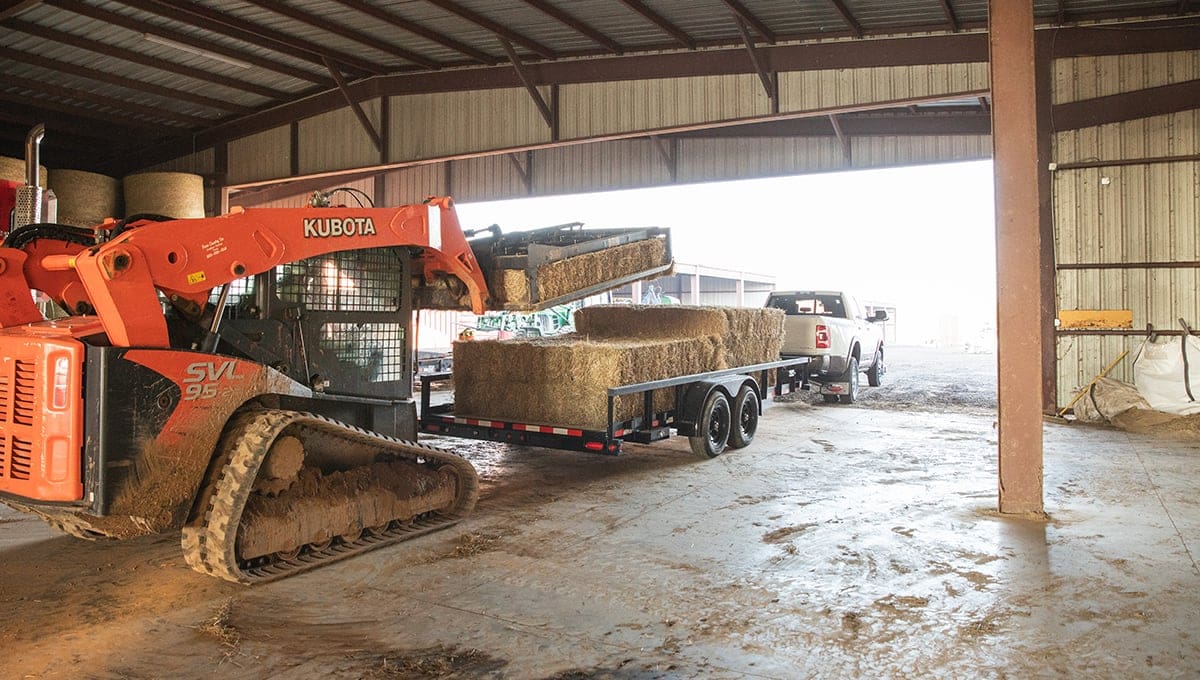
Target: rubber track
[209,545]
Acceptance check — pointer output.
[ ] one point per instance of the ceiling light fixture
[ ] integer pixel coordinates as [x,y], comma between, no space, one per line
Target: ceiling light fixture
[183,47]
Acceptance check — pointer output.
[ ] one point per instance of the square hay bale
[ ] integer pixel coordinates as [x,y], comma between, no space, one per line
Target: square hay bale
[749,335]
[511,287]
[563,381]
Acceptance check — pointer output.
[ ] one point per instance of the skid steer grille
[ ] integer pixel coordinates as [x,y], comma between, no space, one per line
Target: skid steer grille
[24,393]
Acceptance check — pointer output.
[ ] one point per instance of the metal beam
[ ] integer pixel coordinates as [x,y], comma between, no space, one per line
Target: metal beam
[138,26]
[354,105]
[239,29]
[1018,256]
[851,23]
[524,171]
[842,138]
[36,87]
[88,113]
[668,149]
[767,78]
[1044,72]
[1098,41]
[657,19]
[576,24]
[855,125]
[1117,108]
[527,81]
[951,20]
[359,37]
[754,22]
[984,106]
[500,30]
[142,59]
[945,49]
[403,24]
[12,8]
[120,81]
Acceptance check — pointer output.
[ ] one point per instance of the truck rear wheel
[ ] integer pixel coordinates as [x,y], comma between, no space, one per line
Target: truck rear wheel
[851,378]
[712,427]
[745,418]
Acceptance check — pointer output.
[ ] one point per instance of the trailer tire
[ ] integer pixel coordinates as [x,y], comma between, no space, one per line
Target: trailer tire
[712,427]
[745,418]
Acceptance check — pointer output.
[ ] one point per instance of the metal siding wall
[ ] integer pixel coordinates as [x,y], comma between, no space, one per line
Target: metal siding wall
[489,178]
[266,155]
[704,160]
[1089,77]
[199,163]
[801,91]
[1145,212]
[412,185]
[443,124]
[336,140]
[605,108]
[878,152]
[606,166]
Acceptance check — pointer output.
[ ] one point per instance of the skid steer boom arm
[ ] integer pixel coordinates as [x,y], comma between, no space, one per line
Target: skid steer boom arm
[187,259]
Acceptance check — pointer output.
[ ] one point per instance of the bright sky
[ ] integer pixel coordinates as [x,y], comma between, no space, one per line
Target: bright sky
[922,237]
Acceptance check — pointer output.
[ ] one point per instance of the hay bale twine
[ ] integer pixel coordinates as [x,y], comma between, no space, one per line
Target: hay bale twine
[85,198]
[174,194]
[13,170]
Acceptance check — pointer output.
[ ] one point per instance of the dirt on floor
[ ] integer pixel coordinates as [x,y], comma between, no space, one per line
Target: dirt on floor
[846,541]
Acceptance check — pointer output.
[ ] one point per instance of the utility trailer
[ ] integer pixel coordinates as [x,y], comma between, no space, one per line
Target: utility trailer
[715,410]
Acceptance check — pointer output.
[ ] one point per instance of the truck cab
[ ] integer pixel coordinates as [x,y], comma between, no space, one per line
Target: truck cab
[832,328]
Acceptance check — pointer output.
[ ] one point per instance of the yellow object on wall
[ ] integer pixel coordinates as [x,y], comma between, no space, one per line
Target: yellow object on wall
[1095,318]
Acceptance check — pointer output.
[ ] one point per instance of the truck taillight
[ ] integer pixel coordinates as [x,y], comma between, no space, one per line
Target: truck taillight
[822,337]
[61,386]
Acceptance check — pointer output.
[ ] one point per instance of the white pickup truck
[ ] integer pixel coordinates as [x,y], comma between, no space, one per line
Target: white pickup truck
[833,328]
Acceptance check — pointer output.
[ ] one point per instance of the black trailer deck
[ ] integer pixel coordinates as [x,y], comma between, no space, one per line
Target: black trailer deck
[689,416]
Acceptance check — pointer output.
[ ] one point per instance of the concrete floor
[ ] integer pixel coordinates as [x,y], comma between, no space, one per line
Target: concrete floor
[846,541]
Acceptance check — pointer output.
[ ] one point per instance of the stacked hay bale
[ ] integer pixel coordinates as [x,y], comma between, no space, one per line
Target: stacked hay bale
[174,194]
[13,170]
[85,199]
[511,287]
[563,381]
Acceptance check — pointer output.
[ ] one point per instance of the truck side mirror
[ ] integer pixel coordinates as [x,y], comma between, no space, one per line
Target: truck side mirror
[880,315]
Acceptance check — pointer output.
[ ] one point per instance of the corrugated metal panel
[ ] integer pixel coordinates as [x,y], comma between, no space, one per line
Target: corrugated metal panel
[1089,77]
[878,152]
[336,140]
[490,178]
[605,108]
[802,91]
[598,167]
[723,159]
[1081,358]
[433,125]
[412,185]
[1172,135]
[199,163]
[266,155]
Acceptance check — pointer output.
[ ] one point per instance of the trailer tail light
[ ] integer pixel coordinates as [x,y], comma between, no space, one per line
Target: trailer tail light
[822,337]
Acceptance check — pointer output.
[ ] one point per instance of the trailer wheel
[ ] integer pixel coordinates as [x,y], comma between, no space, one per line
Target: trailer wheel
[745,418]
[712,434]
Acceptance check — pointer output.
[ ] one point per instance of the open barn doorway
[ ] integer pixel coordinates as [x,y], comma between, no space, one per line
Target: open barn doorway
[918,241]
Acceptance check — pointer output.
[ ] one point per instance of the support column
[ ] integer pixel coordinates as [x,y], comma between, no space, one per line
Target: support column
[695,292]
[1018,254]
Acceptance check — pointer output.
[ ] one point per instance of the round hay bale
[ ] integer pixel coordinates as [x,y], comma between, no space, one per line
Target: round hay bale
[13,170]
[174,194]
[85,198]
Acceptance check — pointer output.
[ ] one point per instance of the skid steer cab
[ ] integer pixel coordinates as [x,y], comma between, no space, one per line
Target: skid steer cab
[246,379]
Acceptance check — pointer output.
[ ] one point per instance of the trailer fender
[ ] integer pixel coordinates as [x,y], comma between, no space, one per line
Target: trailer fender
[695,394]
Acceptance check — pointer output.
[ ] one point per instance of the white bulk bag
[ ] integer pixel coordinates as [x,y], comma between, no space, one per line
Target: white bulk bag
[1159,374]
